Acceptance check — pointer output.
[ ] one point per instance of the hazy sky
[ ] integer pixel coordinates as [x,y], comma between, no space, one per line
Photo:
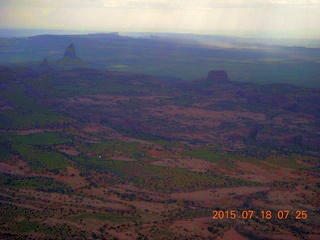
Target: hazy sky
[282,17]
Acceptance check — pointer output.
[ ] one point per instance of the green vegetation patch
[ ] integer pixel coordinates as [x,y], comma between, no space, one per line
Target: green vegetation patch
[130,149]
[113,217]
[9,212]
[41,158]
[15,219]
[61,230]
[227,160]
[169,179]
[284,161]
[26,226]
[27,111]
[44,138]
[159,178]
[159,234]
[213,154]
[19,119]
[119,66]
[4,153]
[39,183]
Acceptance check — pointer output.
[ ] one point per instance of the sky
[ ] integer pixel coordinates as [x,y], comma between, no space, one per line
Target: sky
[271,18]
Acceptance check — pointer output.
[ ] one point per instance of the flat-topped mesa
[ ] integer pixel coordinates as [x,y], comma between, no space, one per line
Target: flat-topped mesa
[70,52]
[218,76]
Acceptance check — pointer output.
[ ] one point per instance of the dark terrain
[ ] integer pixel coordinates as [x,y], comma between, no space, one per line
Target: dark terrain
[88,153]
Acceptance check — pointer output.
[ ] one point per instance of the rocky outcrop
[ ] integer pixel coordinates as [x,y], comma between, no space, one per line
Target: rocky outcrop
[43,66]
[216,79]
[70,52]
[44,63]
[254,131]
[70,60]
[218,76]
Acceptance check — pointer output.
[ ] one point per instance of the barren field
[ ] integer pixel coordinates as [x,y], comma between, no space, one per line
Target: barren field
[90,154]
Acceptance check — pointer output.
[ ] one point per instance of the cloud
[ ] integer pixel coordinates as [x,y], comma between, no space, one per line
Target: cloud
[205,4]
[161,4]
[168,15]
[30,3]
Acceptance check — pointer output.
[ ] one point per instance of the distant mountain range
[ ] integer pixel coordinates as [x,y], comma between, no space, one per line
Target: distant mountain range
[232,41]
[213,38]
[170,56]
